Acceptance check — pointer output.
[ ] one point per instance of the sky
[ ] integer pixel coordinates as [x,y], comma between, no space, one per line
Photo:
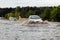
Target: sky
[31,3]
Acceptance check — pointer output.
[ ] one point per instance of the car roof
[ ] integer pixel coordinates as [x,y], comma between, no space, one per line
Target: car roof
[34,16]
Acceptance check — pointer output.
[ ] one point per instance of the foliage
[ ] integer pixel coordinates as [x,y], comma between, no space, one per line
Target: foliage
[46,13]
[30,12]
[17,12]
[9,15]
[55,14]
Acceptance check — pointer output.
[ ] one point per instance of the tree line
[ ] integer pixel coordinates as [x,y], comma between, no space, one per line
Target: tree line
[46,13]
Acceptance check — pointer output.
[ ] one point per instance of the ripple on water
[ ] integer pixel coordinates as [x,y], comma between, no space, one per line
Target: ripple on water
[18,32]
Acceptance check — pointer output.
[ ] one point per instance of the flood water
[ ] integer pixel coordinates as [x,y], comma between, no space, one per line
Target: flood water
[14,31]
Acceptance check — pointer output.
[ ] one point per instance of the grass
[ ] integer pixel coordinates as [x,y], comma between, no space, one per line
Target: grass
[23,18]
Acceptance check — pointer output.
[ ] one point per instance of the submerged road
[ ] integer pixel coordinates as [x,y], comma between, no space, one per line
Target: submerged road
[14,30]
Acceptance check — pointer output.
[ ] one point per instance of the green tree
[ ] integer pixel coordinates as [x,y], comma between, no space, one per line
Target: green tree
[17,12]
[30,12]
[46,14]
[9,15]
[55,14]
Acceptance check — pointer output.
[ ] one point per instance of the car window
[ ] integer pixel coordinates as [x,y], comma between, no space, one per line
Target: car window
[34,17]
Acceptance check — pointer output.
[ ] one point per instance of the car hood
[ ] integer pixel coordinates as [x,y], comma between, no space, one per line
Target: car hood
[35,20]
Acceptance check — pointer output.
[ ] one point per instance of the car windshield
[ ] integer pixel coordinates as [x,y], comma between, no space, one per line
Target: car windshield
[34,17]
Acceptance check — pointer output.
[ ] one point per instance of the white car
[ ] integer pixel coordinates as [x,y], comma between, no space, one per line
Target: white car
[35,18]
